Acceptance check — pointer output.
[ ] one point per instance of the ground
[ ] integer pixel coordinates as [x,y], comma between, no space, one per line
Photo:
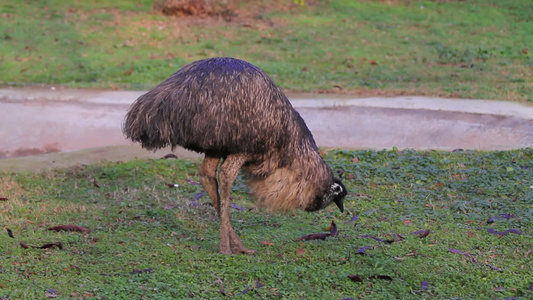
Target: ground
[465,49]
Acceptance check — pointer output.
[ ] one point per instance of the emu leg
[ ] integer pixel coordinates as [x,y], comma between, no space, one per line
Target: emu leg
[208,179]
[230,243]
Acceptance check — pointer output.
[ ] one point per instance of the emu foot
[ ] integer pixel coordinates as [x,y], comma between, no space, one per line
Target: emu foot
[237,246]
[230,243]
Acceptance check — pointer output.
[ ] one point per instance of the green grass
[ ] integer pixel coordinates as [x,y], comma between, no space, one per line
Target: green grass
[139,223]
[469,49]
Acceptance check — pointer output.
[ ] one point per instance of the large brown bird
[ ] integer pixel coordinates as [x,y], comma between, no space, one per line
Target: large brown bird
[233,112]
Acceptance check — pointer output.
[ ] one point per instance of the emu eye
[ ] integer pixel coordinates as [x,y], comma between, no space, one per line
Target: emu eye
[336,188]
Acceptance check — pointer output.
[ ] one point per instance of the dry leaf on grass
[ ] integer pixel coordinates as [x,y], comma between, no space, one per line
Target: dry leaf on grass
[69,228]
[320,236]
[300,251]
[50,246]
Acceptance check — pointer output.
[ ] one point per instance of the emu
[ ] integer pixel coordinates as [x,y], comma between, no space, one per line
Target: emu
[234,113]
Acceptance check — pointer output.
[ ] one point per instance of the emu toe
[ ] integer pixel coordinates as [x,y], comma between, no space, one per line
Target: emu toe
[230,243]
[236,245]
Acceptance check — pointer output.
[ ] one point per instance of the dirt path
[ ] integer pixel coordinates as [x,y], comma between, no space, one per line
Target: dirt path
[42,128]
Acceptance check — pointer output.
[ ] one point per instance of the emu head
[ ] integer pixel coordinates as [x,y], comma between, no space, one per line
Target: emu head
[336,193]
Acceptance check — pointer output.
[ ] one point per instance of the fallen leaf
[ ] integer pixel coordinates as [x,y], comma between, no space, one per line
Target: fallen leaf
[355,278]
[257,285]
[300,251]
[353,219]
[376,239]
[50,294]
[192,182]
[50,246]
[96,183]
[10,233]
[525,51]
[314,236]
[3,199]
[321,236]
[88,295]
[140,271]
[500,216]
[23,245]
[373,62]
[237,207]
[425,285]
[422,233]
[502,233]
[494,268]
[355,159]
[221,283]
[362,250]
[407,222]
[196,197]
[453,250]
[399,258]
[469,256]
[69,228]
[384,277]
[267,243]
[333,229]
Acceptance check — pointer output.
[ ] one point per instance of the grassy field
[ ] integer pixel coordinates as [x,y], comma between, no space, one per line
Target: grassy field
[419,225]
[152,241]
[469,49]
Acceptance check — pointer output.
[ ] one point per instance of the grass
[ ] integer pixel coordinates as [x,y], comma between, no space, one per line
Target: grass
[468,49]
[150,241]
[155,242]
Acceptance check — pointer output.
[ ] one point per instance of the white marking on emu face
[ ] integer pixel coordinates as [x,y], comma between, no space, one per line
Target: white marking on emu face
[336,188]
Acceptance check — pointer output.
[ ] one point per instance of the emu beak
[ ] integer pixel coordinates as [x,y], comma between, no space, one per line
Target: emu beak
[340,204]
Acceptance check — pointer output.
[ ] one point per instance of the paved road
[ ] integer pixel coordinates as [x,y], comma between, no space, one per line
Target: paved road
[42,128]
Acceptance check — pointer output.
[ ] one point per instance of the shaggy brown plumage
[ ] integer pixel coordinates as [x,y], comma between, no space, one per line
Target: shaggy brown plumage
[232,111]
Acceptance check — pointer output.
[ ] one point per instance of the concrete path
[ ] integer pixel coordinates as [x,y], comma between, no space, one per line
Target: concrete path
[43,128]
